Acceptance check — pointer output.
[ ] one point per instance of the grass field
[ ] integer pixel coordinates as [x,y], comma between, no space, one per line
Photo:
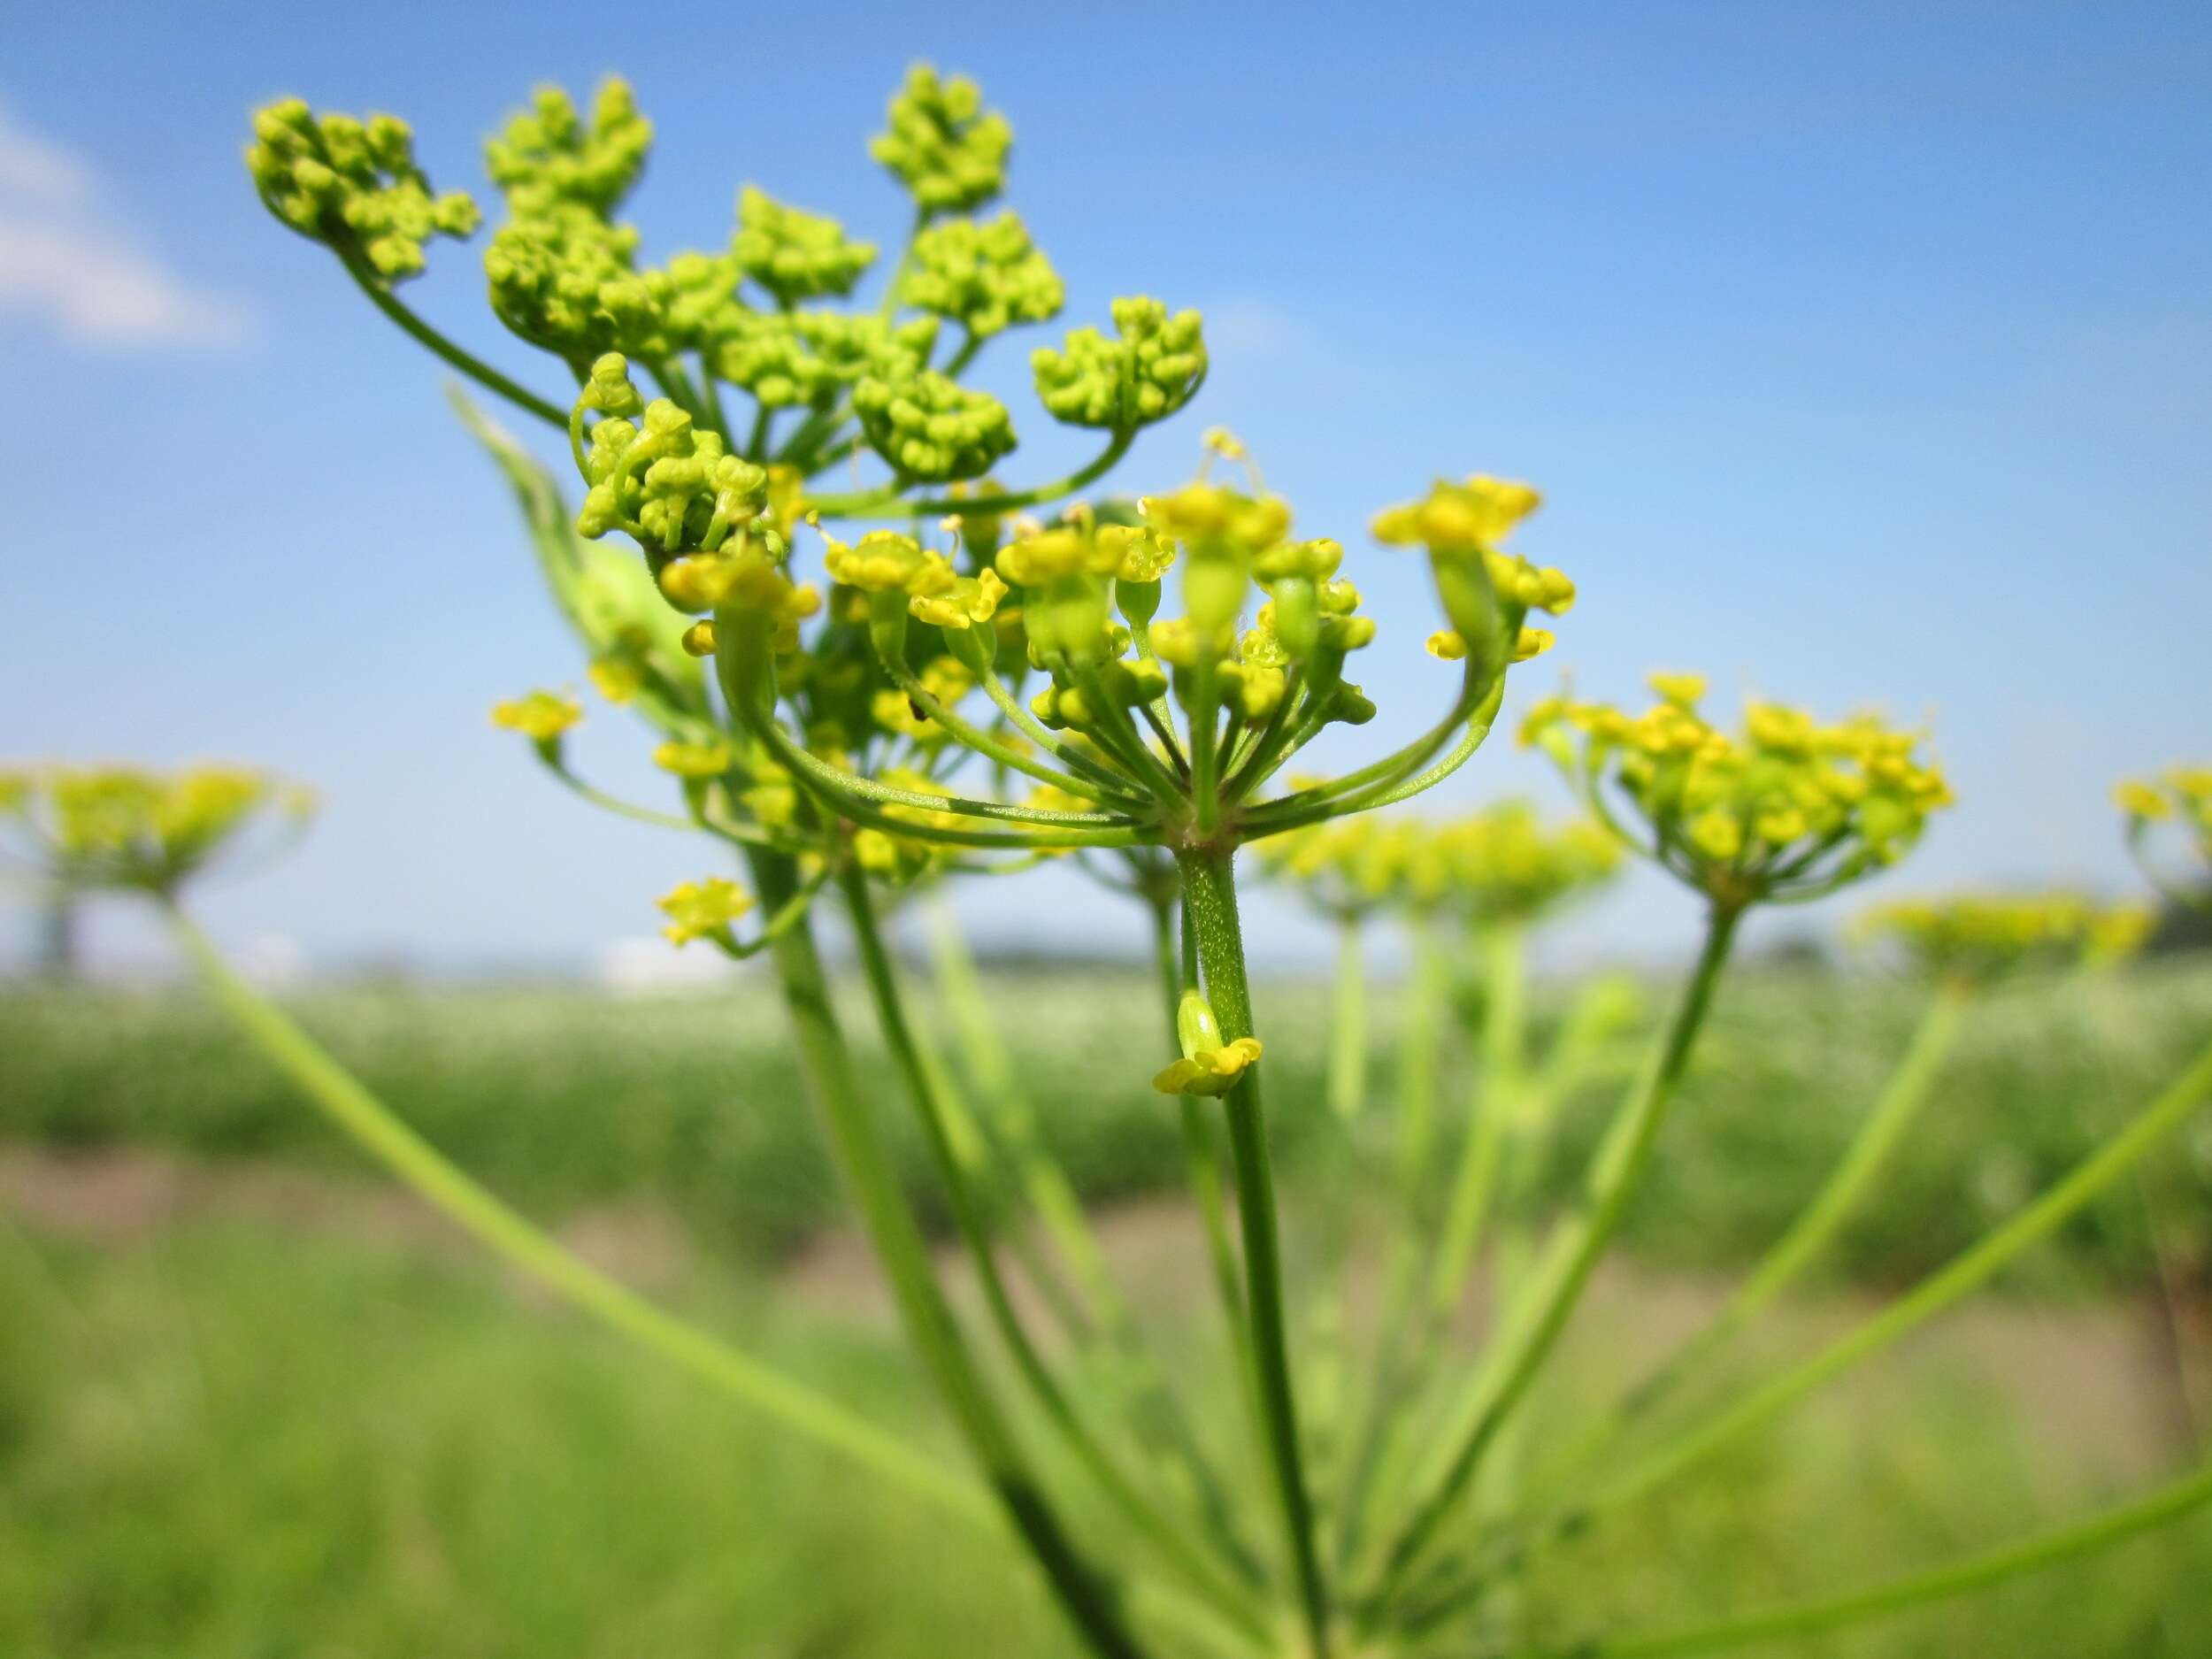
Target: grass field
[293,1417]
[566,1099]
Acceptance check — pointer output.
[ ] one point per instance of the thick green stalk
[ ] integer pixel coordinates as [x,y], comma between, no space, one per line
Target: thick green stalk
[1571,1255]
[1164,1533]
[1966,1272]
[1976,1572]
[1211,893]
[1091,1603]
[426,1173]
[1059,1207]
[1348,1023]
[1806,1238]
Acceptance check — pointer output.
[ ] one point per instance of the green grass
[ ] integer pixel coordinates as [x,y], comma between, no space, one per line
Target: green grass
[227,1442]
[564,1099]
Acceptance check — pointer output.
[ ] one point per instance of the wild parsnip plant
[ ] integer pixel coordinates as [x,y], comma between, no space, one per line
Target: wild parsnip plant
[965,689]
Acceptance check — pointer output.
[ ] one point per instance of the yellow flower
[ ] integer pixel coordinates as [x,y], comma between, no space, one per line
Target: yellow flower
[884,561]
[1533,642]
[1684,690]
[616,679]
[2141,800]
[539,716]
[695,910]
[694,760]
[1209,1070]
[969,600]
[1447,643]
[1716,833]
[1467,517]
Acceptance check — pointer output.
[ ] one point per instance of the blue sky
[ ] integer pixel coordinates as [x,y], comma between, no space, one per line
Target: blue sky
[1863,352]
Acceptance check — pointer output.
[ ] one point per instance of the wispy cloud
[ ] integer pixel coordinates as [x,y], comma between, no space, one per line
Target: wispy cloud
[67,262]
[1249,326]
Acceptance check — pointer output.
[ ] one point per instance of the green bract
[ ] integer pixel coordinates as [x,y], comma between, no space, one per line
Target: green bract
[1151,371]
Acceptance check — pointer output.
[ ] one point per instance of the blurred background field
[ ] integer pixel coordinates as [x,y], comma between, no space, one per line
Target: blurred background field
[254,1402]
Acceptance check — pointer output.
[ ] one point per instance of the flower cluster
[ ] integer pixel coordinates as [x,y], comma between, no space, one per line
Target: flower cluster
[1501,863]
[947,151]
[354,186]
[794,255]
[1488,592]
[2182,796]
[1787,810]
[1154,366]
[120,826]
[984,276]
[1978,937]
[931,428]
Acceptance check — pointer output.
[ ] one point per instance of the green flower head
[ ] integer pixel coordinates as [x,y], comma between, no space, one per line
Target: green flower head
[945,148]
[354,186]
[793,254]
[1151,370]
[931,428]
[984,276]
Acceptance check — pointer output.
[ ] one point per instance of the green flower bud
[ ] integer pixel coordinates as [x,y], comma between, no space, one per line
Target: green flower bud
[929,428]
[794,255]
[353,187]
[1145,375]
[985,277]
[945,149]
[546,157]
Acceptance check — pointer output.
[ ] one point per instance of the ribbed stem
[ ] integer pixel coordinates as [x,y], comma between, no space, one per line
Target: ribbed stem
[1210,890]
[1091,1603]
[1174,1545]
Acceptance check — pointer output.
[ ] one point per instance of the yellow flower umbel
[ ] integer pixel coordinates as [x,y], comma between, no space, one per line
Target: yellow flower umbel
[539,716]
[1787,810]
[2180,795]
[1978,938]
[704,909]
[1209,1065]
[125,827]
[1487,593]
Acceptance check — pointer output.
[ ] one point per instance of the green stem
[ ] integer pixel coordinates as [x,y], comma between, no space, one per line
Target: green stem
[426,1173]
[482,372]
[1499,1099]
[1348,1026]
[1965,1272]
[1174,1546]
[2098,1532]
[1202,1149]
[870,501]
[1090,1601]
[1054,1198]
[1570,1256]
[1210,886]
[1804,1240]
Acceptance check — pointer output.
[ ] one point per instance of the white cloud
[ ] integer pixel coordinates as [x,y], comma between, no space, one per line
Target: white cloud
[65,262]
[1246,326]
